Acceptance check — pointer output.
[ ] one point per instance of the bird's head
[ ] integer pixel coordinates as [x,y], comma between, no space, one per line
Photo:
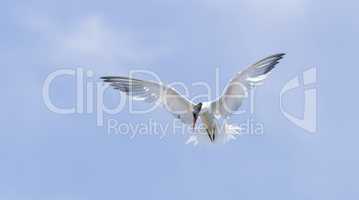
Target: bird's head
[196,110]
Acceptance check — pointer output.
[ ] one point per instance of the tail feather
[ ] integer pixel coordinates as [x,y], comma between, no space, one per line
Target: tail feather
[226,133]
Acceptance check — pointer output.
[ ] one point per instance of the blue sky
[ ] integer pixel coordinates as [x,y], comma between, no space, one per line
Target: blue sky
[44,155]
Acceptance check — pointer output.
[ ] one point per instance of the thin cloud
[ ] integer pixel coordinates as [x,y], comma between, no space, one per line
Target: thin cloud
[89,41]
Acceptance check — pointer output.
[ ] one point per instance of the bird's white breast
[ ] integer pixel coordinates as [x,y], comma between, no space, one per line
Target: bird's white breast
[207,116]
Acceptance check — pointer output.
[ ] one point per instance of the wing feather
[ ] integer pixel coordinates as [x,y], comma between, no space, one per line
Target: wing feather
[237,88]
[153,92]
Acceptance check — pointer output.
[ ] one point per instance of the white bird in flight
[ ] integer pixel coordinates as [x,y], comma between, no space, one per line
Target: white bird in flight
[188,112]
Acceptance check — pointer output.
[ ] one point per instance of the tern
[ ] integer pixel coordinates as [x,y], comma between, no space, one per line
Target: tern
[187,111]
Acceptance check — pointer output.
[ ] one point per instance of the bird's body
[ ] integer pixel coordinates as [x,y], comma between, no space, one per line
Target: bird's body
[209,121]
[209,112]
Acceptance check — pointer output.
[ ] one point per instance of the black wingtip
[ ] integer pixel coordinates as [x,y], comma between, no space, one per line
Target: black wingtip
[278,55]
[104,78]
[113,78]
[281,55]
[109,77]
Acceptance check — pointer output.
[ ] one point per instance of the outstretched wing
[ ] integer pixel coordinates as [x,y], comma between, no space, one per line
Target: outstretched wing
[238,86]
[153,92]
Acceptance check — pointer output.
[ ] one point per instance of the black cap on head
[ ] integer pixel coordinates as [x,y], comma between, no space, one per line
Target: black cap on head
[197,108]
